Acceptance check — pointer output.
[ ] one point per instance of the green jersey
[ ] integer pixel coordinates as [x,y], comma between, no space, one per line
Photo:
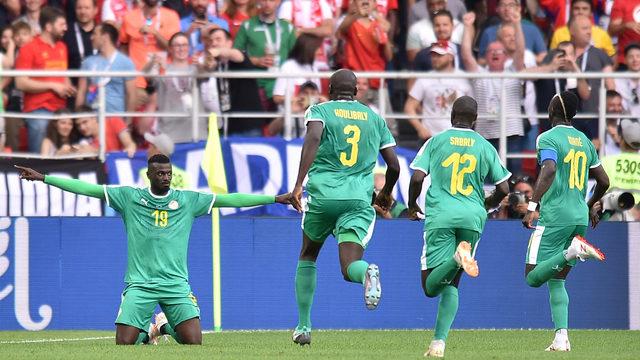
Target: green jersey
[459,161]
[564,203]
[352,137]
[158,229]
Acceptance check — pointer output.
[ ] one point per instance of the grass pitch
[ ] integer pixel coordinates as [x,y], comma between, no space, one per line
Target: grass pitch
[329,344]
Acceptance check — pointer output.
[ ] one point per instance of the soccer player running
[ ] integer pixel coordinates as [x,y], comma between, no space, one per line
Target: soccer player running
[339,153]
[459,161]
[564,154]
[158,221]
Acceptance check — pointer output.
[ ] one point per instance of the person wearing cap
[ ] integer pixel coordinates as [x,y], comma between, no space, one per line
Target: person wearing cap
[623,168]
[436,96]
[162,144]
[629,88]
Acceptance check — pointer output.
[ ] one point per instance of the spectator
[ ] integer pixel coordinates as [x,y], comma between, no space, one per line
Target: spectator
[629,88]
[436,96]
[9,10]
[307,95]
[175,93]
[313,17]
[489,91]
[507,36]
[146,31]
[364,95]
[197,20]
[599,36]
[443,29]
[532,36]
[78,40]
[61,136]
[120,92]
[117,135]
[236,12]
[114,11]
[266,49]
[422,9]
[388,9]
[301,59]
[7,57]
[21,37]
[182,8]
[439,25]
[367,47]
[235,95]
[625,24]
[32,15]
[44,95]
[614,109]
[547,88]
[514,205]
[591,59]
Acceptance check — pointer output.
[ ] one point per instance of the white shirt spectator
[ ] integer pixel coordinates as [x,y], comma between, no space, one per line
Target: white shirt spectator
[292,66]
[437,97]
[629,89]
[300,12]
[421,34]
[529,101]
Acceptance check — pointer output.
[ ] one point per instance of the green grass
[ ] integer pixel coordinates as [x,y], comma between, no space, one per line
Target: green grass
[395,345]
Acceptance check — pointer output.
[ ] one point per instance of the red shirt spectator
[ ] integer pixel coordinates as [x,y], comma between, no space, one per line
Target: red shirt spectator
[236,13]
[625,23]
[560,9]
[382,6]
[40,55]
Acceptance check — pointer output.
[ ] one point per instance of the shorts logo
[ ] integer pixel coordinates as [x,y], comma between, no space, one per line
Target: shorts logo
[173,205]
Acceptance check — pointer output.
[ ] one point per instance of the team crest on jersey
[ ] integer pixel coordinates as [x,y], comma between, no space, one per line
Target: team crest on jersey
[173,205]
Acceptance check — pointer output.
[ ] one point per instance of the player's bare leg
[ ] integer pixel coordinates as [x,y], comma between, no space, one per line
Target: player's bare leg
[129,335]
[356,270]
[189,332]
[306,276]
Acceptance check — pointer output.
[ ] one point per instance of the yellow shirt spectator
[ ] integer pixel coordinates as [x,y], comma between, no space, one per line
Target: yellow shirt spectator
[599,37]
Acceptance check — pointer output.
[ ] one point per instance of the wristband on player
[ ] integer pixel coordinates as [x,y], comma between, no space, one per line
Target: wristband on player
[532,206]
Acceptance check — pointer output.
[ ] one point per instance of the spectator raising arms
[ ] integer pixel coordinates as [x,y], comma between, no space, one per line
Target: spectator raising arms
[44,95]
[367,46]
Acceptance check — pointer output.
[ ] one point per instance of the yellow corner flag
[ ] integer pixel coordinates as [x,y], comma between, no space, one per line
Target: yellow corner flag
[213,167]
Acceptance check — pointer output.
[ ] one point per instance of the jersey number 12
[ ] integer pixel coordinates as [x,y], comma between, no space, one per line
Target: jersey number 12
[457,174]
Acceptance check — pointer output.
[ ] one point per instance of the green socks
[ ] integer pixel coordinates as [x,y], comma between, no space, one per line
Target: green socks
[305,288]
[143,338]
[546,270]
[559,301]
[168,330]
[447,310]
[440,278]
[357,271]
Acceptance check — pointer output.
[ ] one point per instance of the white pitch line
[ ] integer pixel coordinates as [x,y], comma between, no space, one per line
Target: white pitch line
[55,340]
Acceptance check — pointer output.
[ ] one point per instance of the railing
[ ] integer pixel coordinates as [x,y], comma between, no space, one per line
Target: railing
[289,116]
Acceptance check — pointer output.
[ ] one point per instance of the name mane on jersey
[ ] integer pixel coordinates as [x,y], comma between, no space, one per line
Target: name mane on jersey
[575,141]
[461,141]
[351,114]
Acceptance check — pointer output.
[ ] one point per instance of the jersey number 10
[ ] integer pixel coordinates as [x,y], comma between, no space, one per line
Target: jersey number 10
[457,174]
[578,168]
[351,160]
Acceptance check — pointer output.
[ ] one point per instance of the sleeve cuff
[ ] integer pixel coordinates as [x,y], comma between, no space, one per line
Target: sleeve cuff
[503,179]
[306,121]
[414,167]
[106,195]
[388,145]
[595,165]
[213,201]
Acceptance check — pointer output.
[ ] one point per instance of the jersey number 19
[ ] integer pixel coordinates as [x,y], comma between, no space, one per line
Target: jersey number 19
[455,160]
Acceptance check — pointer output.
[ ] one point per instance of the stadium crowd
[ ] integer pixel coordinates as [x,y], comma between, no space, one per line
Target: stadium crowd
[441,36]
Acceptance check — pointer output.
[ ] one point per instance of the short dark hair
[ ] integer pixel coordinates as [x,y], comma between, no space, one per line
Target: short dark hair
[612,94]
[158,159]
[112,31]
[564,106]
[630,47]
[177,35]
[445,12]
[584,1]
[304,50]
[49,15]
[227,34]
[84,108]
[464,109]
[20,25]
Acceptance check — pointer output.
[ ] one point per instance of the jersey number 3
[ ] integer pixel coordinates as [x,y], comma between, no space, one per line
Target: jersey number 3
[457,174]
[578,170]
[162,217]
[353,139]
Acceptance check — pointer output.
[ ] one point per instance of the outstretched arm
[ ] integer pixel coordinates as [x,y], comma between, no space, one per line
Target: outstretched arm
[244,200]
[469,61]
[545,179]
[309,150]
[72,185]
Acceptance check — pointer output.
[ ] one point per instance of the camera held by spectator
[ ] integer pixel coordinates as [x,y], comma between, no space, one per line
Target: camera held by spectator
[615,204]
